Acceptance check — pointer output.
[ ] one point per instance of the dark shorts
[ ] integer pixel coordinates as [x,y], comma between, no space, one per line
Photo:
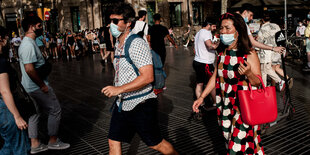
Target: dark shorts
[142,120]
[203,71]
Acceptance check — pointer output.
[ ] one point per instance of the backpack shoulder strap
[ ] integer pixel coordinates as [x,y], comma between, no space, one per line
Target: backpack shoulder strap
[126,48]
[143,27]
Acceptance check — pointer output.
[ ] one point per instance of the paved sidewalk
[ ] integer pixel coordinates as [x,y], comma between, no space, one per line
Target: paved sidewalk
[86,115]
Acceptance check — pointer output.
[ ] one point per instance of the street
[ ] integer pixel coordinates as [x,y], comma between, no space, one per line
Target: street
[86,112]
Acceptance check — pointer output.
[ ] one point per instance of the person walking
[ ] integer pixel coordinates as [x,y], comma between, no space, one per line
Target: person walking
[13,126]
[307,35]
[141,27]
[247,14]
[135,110]
[204,56]
[237,67]
[36,84]
[266,35]
[156,38]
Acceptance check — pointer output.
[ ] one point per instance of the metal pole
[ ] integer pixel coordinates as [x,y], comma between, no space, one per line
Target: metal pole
[285,19]
[188,13]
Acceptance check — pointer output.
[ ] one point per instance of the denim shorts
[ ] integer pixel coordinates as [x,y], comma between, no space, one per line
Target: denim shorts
[16,141]
[142,120]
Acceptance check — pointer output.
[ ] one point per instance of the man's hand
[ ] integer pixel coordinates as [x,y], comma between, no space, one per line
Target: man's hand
[44,89]
[110,91]
[279,49]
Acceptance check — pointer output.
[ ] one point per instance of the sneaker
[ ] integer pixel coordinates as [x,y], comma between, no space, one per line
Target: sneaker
[105,60]
[282,85]
[290,82]
[165,88]
[306,68]
[185,45]
[38,149]
[68,57]
[58,145]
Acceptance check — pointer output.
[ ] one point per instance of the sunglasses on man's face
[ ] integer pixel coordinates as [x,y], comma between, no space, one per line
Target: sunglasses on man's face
[115,20]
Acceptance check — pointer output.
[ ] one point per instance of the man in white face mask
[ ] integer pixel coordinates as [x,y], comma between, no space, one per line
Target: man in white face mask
[135,109]
[247,15]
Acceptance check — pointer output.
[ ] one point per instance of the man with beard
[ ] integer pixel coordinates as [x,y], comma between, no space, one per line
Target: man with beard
[204,56]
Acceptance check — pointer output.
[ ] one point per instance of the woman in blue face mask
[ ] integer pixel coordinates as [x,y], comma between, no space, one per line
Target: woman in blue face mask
[237,66]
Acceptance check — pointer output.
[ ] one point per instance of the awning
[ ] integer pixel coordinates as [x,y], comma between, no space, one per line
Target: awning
[292,4]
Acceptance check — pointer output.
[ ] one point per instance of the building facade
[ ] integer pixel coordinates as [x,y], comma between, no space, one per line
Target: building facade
[78,15]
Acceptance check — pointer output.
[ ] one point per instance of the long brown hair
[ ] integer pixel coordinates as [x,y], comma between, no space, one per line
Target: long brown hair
[244,45]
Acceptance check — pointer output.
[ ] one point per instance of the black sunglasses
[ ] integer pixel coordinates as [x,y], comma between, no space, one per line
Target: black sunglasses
[115,20]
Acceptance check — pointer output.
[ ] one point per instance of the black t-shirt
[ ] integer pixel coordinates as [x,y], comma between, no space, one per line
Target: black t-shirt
[158,34]
[5,67]
[101,38]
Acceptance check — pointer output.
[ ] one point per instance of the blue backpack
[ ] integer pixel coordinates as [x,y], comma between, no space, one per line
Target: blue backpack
[159,73]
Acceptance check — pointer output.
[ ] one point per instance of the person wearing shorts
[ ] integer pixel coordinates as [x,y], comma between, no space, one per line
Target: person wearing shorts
[135,109]
[102,44]
[204,56]
[307,35]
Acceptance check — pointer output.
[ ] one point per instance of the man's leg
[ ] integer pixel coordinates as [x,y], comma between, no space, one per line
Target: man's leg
[165,147]
[115,147]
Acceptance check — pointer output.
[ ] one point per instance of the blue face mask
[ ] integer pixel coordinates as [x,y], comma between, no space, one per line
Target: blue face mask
[227,39]
[246,20]
[114,30]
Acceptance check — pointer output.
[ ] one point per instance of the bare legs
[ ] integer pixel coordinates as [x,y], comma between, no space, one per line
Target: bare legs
[163,147]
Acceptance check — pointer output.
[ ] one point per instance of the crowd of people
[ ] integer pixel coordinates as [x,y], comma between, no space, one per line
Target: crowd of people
[69,45]
[223,66]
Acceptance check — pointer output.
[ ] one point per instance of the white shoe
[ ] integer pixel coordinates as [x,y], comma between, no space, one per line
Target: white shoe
[282,85]
[68,57]
[58,145]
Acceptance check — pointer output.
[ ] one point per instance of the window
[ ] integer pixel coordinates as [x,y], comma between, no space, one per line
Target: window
[197,13]
[175,14]
[75,15]
[150,12]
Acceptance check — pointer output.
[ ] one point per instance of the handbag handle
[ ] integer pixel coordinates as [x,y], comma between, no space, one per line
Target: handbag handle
[261,80]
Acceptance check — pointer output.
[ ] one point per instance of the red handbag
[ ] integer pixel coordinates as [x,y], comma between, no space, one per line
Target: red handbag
[258,106]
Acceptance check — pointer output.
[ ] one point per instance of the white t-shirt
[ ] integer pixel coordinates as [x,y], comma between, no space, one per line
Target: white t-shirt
[248,29]
[202,53]
[139,27]
[301,30]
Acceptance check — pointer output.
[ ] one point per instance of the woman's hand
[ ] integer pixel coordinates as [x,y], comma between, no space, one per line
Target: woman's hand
[244,70]
[197,103]
[20,122]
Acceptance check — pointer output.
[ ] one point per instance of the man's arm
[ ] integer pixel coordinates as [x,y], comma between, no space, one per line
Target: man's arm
[146,77]
[172,41]
[148,37]
[32,73]
[210,45]
[263,46]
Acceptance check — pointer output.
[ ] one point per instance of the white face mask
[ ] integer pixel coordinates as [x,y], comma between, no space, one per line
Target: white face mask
[227,39]
[300,24]
[114,30]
